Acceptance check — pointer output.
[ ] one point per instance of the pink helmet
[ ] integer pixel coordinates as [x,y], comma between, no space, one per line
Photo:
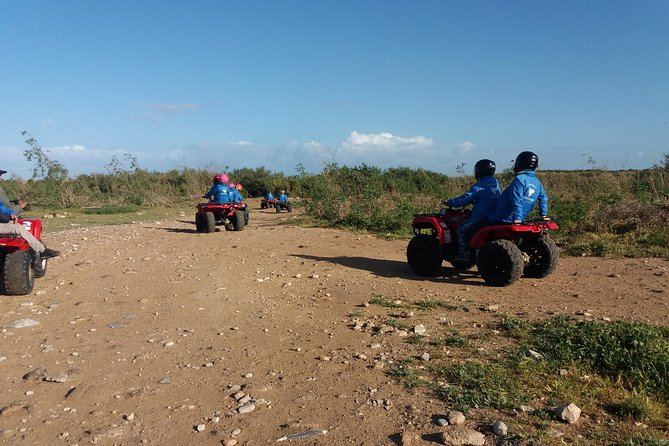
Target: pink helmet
[217,179]
[239,187]
[231,185]
[224,178]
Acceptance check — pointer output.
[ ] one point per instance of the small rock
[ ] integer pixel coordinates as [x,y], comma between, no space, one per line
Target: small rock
[130,416]
[200,427]
[425,356]
[462,436]
[420,329]
[441,422]
[456,418]
[499,428]
[535,355]
[165,381]
[247,408]
[56,377]
[22,323]
[38,374]
[231,442]
[236,432]
[526,409]
[568,412]
[410,438]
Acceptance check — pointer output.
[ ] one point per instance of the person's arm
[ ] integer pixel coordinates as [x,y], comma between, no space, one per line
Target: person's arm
[543,202]
[466,198]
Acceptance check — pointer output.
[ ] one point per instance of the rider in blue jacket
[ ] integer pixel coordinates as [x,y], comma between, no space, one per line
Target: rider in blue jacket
[218,194]
[519,198]
[235,196]
[484,195]
[283,198]
[269,196]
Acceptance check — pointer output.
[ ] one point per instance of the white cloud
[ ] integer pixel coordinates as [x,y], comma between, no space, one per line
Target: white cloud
[384,142]
[157,113]
[466,146]
[242,143]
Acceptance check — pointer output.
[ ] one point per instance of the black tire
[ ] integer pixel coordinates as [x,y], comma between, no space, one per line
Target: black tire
[263,205]
[209,222]
[239,220]
[246,216]
[18,277]
[423,255]
[277,207]
[199,222]
[500,263]
[289,207]
[543,254]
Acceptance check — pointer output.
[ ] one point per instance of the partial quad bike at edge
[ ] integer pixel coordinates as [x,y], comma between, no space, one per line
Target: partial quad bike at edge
[502,253]
[232,216]
[266,204]
[283,205]
[16,260]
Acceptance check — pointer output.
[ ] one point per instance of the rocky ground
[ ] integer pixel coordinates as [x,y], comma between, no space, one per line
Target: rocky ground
[150,333]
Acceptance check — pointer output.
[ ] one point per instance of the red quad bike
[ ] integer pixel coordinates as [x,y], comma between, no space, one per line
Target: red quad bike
[502,253]
[285,205]
[16,260]
[233,216]
[265,203]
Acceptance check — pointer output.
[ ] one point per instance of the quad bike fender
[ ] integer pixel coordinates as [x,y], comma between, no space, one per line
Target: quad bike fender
[510,231]
[436,226]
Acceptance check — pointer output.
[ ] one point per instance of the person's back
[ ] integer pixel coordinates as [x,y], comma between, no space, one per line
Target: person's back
[283,198]
[218,194]
[519,198]
[269,196]
[483,195]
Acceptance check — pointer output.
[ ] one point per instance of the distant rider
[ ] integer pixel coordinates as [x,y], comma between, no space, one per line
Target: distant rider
[519,198]
[218,194]
[235,196]
[484,195]
[283,198]
[269,196]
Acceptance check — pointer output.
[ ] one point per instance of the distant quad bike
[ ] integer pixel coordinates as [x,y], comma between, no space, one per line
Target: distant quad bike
[16,260]
[232,216]
[265,203]
[502,253]
[283,205]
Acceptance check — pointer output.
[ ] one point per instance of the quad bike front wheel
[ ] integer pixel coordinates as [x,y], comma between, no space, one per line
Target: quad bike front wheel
[199,222]
[239,220]
[289,207]
[500,263]
[543,257]
[18,277]
[423,255]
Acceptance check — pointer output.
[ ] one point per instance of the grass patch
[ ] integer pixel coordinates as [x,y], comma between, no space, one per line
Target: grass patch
[474,384]
[635,354]
[433,304]
[404,373]
[378,299]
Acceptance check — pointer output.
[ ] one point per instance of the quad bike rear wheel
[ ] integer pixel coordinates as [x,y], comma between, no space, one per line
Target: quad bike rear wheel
[239,220]
[199,222]
[18,277]
[543,257]
[209,222]
[289,207]
[423,255]
[500,263]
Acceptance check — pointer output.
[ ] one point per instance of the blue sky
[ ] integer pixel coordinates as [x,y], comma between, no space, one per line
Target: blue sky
[432,84]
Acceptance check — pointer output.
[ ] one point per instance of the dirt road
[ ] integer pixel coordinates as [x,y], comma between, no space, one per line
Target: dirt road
[148,331]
